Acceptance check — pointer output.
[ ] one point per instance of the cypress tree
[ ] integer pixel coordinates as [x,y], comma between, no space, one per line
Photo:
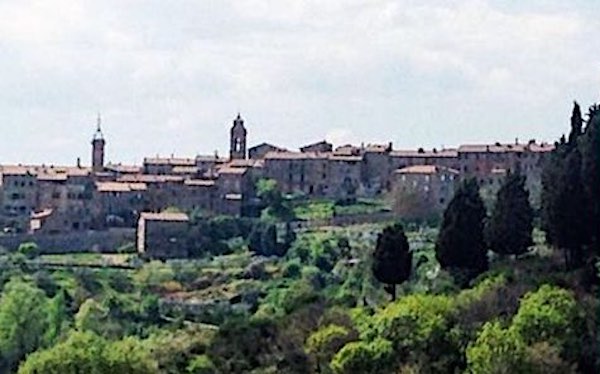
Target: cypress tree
[460,246]
[511,224]
[566,199]
[572,230]
[576,124]
[590,153]
[392,259]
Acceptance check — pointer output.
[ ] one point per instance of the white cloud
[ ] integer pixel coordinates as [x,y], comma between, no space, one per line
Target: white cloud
[170,76]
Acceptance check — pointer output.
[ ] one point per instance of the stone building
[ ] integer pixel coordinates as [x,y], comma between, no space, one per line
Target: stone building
[162,235]
[321,147]
[71,198]
[260,151]
[423,191]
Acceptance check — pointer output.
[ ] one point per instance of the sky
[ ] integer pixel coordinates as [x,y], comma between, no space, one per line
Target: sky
[169,77]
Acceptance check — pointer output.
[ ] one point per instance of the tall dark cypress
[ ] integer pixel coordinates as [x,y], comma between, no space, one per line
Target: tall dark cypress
[576,124]
[460,246]
[572,225]
[590,152]
[392,259]
[510,226]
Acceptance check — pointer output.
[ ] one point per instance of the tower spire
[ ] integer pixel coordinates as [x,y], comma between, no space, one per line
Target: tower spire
[98,135]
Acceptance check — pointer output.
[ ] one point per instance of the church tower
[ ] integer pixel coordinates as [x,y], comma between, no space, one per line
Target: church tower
[237,147]
[98,144]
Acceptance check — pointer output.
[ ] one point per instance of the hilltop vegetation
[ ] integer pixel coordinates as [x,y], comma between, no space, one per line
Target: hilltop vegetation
[485,292]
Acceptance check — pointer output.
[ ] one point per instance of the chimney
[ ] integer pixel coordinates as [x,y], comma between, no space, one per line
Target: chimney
[78,162]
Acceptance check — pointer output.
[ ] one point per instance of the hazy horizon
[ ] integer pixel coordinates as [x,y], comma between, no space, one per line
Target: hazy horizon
[170,78]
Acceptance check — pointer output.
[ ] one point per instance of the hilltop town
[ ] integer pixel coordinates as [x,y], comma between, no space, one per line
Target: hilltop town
[54,199]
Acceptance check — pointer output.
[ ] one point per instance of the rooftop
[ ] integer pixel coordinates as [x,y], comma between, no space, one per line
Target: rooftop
[165,217]
[426,169]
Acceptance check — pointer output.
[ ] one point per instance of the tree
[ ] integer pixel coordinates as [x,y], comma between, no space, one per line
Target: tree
[497,350]
[57,318]
[549,314]
[460,244]
[576,124]
[392,259]
[572,222]
[568,196]
[324,343]
[86,352]
[362,357]
[590,152]
[201,365]
[29,250]
[23,320]
[276,206]
[263,239]
[552,180]
[511,224]
[92,316]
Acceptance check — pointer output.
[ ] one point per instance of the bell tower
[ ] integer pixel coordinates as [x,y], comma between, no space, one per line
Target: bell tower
[98,144]
[237,146]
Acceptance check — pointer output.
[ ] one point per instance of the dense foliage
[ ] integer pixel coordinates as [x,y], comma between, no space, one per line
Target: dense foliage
[258,295]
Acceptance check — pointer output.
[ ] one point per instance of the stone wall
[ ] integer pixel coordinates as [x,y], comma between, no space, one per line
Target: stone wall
[108,241]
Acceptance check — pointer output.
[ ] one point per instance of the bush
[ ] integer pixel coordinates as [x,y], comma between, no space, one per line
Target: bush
[549,314]
[364,358]
[324,343]
[292,269]
[201,365]
[29,250]
[496,351]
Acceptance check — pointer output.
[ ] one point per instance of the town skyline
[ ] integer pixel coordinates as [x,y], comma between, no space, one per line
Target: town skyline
[441,73]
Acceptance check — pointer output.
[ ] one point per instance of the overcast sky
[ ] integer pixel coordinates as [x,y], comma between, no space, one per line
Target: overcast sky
[171,78]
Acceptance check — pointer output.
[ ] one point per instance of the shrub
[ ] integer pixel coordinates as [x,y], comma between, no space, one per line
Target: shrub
[364,358]
[496,351]
[549,314]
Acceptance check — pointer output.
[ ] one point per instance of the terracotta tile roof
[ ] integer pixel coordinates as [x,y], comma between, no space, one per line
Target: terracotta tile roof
[316,144]
[150,178]
[425,169]
[165,216]
[42,214]
[185,170]
[347,150]
[124,169]
[274,148]
[443,153]
[120,187]
[199,182]
[48,171]
[295,155]
[52,177]
[232,170]
[345,158]
[243,163]
[174,161]
[209,158]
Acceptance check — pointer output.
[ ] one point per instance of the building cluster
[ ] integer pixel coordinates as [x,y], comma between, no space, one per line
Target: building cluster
[58,199]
